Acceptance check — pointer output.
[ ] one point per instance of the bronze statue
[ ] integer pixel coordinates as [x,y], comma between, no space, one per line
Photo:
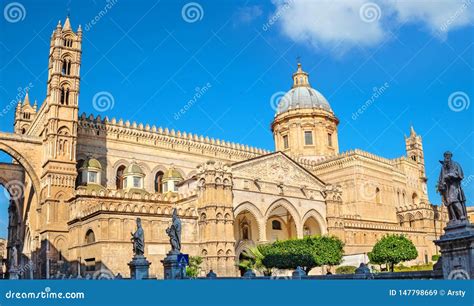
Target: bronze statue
[138,239]
[174,232]
[449,186]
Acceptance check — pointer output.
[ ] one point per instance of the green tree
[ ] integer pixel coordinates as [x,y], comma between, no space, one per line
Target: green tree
[392,250]
[194,267]
[306,253]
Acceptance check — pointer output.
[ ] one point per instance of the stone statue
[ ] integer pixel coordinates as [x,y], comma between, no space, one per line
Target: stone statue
[13,258]
[174,232]
[138,239]
[449,186]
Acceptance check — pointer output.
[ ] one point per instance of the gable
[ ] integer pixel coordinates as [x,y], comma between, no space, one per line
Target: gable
[276,167]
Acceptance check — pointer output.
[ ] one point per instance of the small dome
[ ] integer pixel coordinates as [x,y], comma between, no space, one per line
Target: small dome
[90,163]
[302,95]
[134,168]
[172,174]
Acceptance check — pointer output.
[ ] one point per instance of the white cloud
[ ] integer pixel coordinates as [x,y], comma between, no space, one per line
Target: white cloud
[246,15]
[436,15]
[347,23]
[328,22]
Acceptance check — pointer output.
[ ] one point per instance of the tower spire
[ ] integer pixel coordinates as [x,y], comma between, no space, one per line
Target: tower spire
[26,101]
[67,23]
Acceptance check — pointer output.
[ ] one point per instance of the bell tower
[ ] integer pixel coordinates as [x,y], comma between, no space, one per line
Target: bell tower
[59,135]
[60,132]
[414,148]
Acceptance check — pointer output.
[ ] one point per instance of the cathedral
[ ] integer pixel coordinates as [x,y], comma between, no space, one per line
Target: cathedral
[78,182]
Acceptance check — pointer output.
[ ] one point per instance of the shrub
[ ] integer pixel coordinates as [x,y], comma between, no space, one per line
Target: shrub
[306,253]
[345,270]
[194,267]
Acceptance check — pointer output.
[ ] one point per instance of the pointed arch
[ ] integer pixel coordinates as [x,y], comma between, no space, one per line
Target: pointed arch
[287,205]
[319,219]
[251,208]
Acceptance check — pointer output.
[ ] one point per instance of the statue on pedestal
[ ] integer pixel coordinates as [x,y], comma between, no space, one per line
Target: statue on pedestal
[138,239]
[139,265]
[174,232]
[457,242]
[449,186]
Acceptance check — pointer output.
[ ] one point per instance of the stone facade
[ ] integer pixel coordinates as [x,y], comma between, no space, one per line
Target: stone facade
[85,179]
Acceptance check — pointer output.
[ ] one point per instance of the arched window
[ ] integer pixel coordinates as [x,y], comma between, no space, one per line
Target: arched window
[68,42]
[119,178]
[64,96]
[276,225]
[66,69]
[378,197]
[245,232]
[159,182]
[90,236]
[414,198]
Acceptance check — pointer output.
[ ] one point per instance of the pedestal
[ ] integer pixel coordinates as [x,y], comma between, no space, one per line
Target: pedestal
[13,273]
[139,267]
[457,250]
[172,268]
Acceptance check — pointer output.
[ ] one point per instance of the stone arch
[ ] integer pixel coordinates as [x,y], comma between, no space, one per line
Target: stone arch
[418,215]
[288,206]
[250,207]
[29,169]
[291,210]
[255,214]
[119,163]
[319,219]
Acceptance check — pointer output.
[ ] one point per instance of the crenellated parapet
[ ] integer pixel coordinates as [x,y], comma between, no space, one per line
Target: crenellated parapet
[87,203]
[162,137]
[133,195]
[352,155]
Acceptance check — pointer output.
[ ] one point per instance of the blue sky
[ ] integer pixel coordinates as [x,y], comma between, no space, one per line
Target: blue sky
[152,58]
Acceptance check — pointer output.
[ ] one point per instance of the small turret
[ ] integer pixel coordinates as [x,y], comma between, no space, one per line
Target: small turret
[24,115]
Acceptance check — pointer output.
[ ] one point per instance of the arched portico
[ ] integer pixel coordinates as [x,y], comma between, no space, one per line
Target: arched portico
[282,221]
